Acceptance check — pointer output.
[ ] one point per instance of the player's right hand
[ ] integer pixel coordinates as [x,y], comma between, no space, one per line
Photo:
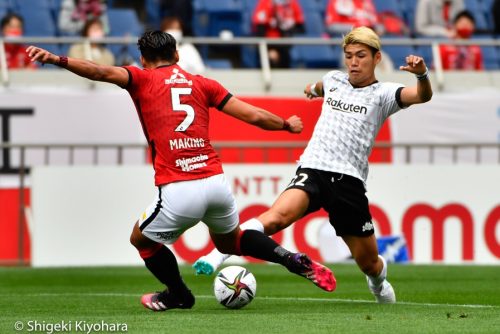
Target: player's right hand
[296,125]
[308,92]
[41,55]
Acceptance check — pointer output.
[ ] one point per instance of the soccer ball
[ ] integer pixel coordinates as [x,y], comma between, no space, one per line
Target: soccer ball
[234,287]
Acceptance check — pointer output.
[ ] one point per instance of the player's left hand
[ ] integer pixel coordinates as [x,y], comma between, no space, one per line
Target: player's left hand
[41,55]
[415,65]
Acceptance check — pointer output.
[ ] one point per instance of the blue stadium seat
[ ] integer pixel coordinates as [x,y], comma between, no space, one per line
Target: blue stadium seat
[3,12]
[425,51]
[490,57]
[388,6]
[210,17]
[249,6]
[124,22]
[34,4]
[312,5]
[398,53]
[408,8]
[314,24]
[249,53]
[218,64]
[472,5]
[38,22]
[477,10]
[6,4]
[315,56]
[153,12]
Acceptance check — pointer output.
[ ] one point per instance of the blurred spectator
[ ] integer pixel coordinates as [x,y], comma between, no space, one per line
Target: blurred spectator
[344,15]
[462,57]
[98,53]
[12,27]
[434,18]
[495,10]
[278,18]
[392,24]
[74,13]
[189,57]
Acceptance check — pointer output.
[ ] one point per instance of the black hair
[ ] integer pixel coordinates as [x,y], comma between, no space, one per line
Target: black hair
[465,13]
[7,18]
[157,45]
[89,23]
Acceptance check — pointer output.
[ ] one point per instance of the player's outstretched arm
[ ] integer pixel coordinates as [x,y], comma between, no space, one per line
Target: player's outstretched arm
[81,67]
[260,117]
[422,92]
[314,90]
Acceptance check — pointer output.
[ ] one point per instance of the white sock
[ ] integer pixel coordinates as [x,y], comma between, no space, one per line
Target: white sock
[216,258]
[376,282]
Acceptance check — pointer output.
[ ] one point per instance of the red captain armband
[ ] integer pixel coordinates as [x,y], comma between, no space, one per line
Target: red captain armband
[286,125]
[63,61]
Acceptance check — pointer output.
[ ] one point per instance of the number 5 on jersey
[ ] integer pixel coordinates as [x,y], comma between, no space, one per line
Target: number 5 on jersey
[178,106]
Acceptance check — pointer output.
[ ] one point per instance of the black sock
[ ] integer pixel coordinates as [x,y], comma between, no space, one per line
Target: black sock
[260,246]
[163,265]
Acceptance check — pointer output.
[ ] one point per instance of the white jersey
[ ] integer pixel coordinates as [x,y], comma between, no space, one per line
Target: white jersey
[349,122]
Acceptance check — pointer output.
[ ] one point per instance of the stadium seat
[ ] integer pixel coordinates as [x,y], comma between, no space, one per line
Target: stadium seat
[218,64]
[490,57]
[153,12]
[3,12]
[124,22]
[249,6]
[6,5]
[210,17]
[34,4]
[398,53]
[249,53]
[317,6]
[315,56]
[477,10]
[38,21]
[388,6]
[314,24]
[408,8]
[425,51]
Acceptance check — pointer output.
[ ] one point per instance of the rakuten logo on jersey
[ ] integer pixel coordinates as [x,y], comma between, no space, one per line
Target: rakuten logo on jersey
[342,106]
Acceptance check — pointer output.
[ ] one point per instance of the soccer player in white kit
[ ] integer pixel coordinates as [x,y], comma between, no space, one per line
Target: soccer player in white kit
[334,166]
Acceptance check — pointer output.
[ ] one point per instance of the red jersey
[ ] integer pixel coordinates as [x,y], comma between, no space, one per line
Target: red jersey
[173,106]
[17,57]
[277,17]
[461,57]
[353,12]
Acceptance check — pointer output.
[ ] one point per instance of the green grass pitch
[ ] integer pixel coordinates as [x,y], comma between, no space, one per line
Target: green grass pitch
[431,299]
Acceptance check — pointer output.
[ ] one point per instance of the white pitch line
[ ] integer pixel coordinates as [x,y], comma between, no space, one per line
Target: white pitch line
[296,299]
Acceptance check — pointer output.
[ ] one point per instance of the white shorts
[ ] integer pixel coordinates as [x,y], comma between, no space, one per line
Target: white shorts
[181,205]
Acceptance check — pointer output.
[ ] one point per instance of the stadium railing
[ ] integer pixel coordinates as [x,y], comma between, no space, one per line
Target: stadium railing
[261,43]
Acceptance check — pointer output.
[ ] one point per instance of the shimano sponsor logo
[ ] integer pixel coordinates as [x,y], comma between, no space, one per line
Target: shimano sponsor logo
[176,144]
[168,235]
[189,164]
[342,106]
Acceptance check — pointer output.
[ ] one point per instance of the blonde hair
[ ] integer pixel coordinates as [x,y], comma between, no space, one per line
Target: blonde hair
[362,35]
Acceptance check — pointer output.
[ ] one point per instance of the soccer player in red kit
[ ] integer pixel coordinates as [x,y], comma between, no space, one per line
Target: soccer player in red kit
[173,109]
